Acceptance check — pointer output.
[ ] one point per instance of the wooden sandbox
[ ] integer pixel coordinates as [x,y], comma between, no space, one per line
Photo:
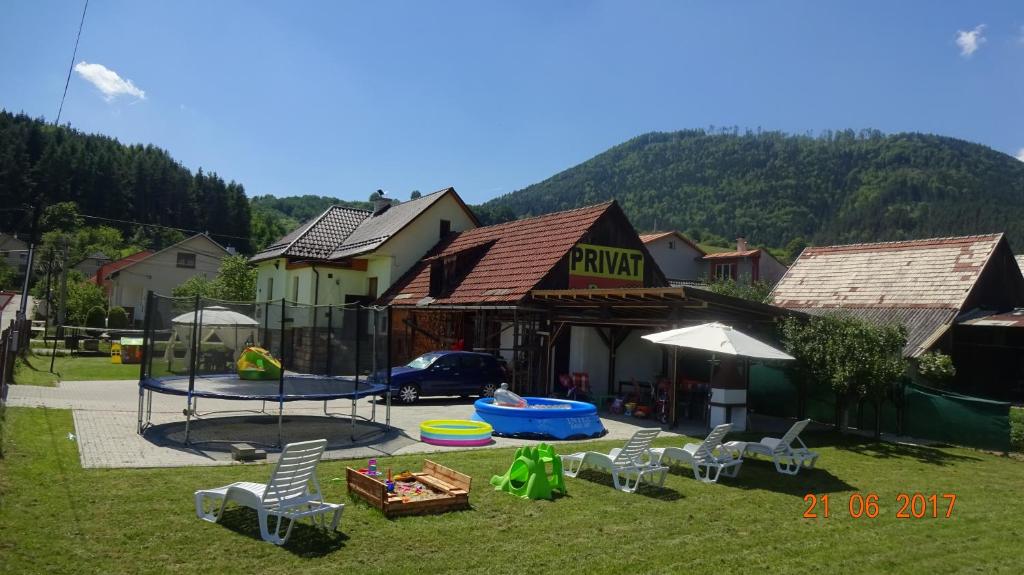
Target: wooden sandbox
[450,491]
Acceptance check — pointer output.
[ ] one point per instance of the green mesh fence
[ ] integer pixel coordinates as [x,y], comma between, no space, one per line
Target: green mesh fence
[928,413]
[960,419]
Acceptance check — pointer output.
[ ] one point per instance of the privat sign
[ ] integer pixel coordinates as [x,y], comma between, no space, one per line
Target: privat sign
[593,266]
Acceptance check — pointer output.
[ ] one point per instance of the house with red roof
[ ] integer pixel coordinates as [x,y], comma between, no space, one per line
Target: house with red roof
[567,292]
[958,295]
[744,264]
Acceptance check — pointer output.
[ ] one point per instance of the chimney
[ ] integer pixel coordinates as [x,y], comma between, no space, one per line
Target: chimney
[741,244]
[380,203]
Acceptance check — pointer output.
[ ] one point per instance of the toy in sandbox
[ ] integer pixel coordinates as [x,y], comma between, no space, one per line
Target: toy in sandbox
[529,476]
[538,417]
[436,489]
[455,432]
[256,363]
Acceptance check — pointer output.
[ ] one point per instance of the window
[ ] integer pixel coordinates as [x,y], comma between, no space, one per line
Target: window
[446,228]
[471,362]
[371,287]
[295,288]
[186,260]
[671,245]
[270,290]
[725,271]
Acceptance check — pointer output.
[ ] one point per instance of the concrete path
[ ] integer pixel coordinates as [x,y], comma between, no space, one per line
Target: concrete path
[105,415]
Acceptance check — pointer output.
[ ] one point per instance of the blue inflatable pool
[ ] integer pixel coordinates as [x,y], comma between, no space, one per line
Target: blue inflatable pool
[543,418]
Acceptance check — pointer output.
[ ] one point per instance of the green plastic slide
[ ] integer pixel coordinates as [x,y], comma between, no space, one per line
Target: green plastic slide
[529,475]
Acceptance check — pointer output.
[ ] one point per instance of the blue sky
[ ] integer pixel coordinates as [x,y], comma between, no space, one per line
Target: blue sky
[342,98]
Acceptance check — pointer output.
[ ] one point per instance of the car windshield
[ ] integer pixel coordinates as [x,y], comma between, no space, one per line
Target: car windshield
[423,361]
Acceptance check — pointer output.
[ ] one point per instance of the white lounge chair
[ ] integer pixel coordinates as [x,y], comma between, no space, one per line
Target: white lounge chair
[708,458]
[631,463]
[787,458]
[292,493]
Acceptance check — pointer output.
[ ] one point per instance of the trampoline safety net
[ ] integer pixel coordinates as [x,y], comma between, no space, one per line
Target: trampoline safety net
[288,351]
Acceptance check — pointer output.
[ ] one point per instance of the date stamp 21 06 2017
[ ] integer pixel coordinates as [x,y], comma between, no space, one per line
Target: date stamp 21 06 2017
[908,506]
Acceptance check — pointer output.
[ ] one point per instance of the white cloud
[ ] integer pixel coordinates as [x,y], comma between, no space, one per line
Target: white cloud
[107,81]
[1020,154]
[970,40]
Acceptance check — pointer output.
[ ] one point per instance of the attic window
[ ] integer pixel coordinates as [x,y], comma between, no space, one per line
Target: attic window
[186,260]
[671,245]
[446,228]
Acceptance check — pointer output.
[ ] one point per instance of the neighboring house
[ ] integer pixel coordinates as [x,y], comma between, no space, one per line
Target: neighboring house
[14,253]
[346,255]
[677,256]
[957,295]
[127,280]
[90,265]
[743,265]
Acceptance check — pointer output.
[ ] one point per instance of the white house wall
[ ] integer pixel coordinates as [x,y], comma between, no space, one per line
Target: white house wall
[161,274]
[588,354]
[679,262]
[637,359]
[415,240]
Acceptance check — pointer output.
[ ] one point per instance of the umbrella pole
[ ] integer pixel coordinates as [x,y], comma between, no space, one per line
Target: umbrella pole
[707,400]
[672,387]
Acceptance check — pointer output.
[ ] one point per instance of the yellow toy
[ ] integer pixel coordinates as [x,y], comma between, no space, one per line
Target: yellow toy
[257,363]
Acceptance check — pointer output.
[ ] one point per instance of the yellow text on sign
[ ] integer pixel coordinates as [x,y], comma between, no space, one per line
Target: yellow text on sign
[606,262]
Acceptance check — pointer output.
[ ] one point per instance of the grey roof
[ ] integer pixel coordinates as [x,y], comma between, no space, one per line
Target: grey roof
[342,232]
[922,323]
[375,230]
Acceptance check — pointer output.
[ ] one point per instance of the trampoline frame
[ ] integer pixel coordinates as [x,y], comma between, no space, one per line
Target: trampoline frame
[146,390]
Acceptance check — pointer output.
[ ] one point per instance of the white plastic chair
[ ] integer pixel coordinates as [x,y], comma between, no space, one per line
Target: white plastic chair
[787,459]
[708,458]
[628,465]
[292,493]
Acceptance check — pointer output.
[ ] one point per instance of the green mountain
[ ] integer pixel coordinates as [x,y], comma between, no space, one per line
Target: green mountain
[784,190]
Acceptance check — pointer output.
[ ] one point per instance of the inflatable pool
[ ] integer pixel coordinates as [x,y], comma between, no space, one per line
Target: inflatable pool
[455,432]
[542,418]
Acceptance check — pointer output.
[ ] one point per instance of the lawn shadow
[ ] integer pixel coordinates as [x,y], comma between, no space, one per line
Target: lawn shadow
[646,489]
[760,474]
[931,455]
[305,541]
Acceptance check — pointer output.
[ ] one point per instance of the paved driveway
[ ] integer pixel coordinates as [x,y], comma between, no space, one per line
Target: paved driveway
[105,415]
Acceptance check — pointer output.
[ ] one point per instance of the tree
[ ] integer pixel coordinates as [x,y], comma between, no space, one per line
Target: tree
[62,216]
[96,317]
[7,276]
[415,195]
[235,281]
[855,359]
[82,296]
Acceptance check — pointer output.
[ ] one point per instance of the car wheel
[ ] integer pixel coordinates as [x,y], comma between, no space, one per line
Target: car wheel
[488,390]
[408,393]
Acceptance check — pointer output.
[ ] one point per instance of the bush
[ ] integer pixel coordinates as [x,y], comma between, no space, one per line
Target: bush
[936,368]
[96,317]
[1017,429]
[117,318]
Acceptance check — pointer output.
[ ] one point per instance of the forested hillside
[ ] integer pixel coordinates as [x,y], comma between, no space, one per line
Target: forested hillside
[779,189]
[44,164]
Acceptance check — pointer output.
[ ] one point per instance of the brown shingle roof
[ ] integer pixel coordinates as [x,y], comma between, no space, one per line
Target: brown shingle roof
[517,256]
[720,255]
[935,273]
[921,284]
[654,236]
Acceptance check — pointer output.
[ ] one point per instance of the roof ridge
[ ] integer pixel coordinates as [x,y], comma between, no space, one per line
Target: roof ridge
[579,209]
[920,241]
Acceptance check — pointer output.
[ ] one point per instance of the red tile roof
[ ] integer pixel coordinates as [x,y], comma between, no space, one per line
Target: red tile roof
[725,255]
[107,269]
[520,255]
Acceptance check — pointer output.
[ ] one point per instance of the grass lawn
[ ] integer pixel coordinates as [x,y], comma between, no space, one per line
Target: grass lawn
[58,518]
[37,370]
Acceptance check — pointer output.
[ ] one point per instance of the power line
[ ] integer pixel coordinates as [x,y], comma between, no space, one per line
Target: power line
[163,227]
[71,66]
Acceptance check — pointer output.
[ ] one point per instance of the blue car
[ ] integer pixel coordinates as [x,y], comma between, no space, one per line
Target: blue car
[462,373]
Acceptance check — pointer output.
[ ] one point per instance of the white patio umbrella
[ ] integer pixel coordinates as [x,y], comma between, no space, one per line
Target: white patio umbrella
[716,338]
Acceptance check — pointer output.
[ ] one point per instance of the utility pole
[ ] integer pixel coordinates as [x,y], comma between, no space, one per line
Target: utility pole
[62,310]
[33,240]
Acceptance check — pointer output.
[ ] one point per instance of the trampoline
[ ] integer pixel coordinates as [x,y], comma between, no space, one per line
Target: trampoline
[327,353]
